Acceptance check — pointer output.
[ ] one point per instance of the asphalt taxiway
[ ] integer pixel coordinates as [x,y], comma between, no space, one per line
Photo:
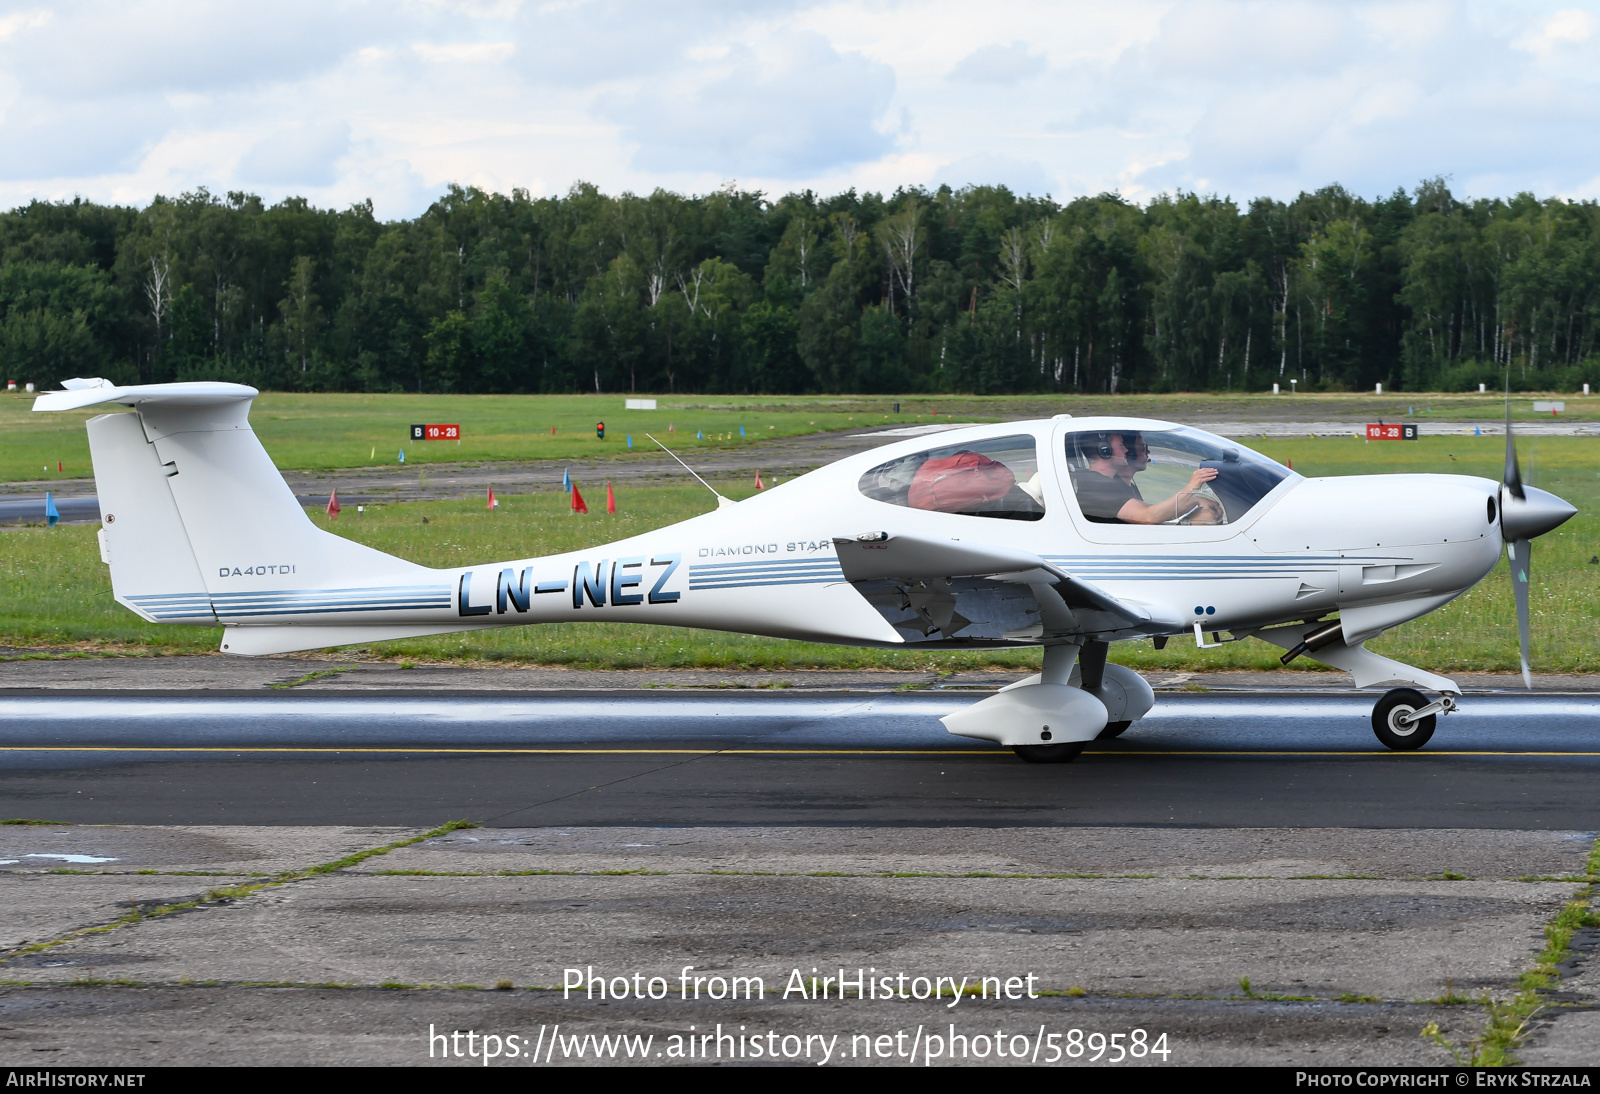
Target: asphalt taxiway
[771,758]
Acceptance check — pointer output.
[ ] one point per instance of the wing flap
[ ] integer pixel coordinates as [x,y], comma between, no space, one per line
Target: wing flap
[912,560]
[881,556]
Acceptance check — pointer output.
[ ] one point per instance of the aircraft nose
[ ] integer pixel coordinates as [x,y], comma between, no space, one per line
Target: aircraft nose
[1533,514]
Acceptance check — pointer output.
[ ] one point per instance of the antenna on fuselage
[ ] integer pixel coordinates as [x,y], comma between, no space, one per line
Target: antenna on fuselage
[722,502]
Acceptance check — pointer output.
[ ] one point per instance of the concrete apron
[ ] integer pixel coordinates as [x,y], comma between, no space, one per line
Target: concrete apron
[1156,928]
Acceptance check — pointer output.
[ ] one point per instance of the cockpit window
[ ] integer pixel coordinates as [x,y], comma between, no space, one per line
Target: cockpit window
[1170,476]
[998,477]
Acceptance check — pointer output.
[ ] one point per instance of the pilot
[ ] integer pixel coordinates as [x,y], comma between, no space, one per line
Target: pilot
[1104,483]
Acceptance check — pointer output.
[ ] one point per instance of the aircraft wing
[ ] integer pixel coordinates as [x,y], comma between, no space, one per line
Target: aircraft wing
[953,586]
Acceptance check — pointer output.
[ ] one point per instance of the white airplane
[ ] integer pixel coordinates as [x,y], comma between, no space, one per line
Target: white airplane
[1067,533]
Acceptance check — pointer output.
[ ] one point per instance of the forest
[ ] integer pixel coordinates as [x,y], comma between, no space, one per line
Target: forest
[975,291]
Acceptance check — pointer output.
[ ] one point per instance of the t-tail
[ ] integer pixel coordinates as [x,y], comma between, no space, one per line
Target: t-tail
[199,527]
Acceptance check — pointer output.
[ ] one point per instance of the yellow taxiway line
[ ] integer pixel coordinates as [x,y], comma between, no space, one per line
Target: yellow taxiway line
[743,751]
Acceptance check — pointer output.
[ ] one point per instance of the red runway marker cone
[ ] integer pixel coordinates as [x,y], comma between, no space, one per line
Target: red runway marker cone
[552,431]
[759,484]
[333,506]
[58,466]
[611,498]
[577,501]
[493,504]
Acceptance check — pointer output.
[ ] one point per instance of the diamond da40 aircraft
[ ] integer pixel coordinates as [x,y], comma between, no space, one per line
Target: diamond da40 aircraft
[1067,533]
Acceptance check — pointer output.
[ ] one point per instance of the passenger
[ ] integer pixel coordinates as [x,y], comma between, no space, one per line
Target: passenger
[972,484]
[1107,493]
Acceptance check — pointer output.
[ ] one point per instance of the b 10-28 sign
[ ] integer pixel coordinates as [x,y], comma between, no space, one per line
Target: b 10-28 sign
[1381,432]
[436,432]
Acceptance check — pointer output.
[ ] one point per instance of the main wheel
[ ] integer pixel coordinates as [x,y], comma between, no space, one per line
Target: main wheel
[1049,754]
[1113,729]
[1385,720]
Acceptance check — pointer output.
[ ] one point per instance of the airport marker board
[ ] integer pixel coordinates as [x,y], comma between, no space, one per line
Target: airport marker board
[436,432]
[1381,432]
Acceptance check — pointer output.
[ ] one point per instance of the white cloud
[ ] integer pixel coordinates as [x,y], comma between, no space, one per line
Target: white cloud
[301,155]
[43,139]
[1568,27]
[393,99]
[788,106]
[1003,65]
[91,49]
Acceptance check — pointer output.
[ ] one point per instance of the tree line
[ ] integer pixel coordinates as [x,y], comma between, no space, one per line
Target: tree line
[975,290]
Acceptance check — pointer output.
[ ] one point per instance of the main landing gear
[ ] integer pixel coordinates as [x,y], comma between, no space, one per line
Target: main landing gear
[1065,754]
[1404,719]
[1049,754]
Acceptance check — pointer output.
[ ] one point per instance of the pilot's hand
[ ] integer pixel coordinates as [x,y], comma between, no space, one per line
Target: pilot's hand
[1201,476]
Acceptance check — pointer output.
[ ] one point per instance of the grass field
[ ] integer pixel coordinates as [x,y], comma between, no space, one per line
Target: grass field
[55,593]
[327,431]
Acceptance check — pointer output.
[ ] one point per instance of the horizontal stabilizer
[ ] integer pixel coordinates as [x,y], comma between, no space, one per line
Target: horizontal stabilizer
[81,393]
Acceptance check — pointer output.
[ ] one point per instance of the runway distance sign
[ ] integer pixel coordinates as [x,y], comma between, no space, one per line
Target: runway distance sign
[436,432]
[1381,432]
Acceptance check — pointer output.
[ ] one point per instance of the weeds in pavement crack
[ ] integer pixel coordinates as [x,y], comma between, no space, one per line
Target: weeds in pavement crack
[308,677]
[136,913]
[1508,1020]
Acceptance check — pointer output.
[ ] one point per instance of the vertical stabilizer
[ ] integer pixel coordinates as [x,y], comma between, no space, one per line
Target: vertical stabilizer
[142,538]
[247,530]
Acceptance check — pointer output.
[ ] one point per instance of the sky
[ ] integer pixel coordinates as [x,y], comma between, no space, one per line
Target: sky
[341,101]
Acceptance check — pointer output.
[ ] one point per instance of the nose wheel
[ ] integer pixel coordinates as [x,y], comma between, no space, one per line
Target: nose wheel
[1404,719]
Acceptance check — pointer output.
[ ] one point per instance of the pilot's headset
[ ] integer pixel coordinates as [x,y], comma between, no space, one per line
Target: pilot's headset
[1092,446]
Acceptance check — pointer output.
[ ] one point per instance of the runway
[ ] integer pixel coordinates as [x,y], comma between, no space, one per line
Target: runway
[698,758]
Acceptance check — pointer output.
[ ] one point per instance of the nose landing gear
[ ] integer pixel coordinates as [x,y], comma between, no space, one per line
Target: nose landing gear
[1404,720]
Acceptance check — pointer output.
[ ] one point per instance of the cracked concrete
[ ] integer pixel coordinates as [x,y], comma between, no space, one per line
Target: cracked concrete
[1142,947]
[210,849]
[1164,852]
[1396,941]
[230,1025]
[1566,1033]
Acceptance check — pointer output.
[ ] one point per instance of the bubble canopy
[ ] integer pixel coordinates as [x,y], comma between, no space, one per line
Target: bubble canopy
[1109,466]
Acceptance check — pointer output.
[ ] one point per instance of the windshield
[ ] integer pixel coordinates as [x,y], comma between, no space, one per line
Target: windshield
[1169,476]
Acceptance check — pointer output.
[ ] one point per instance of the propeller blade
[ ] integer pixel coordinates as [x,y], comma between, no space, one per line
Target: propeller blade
[1518,553]
[1513,476]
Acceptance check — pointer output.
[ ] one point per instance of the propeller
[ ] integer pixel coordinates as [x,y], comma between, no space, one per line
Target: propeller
[1525,512]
